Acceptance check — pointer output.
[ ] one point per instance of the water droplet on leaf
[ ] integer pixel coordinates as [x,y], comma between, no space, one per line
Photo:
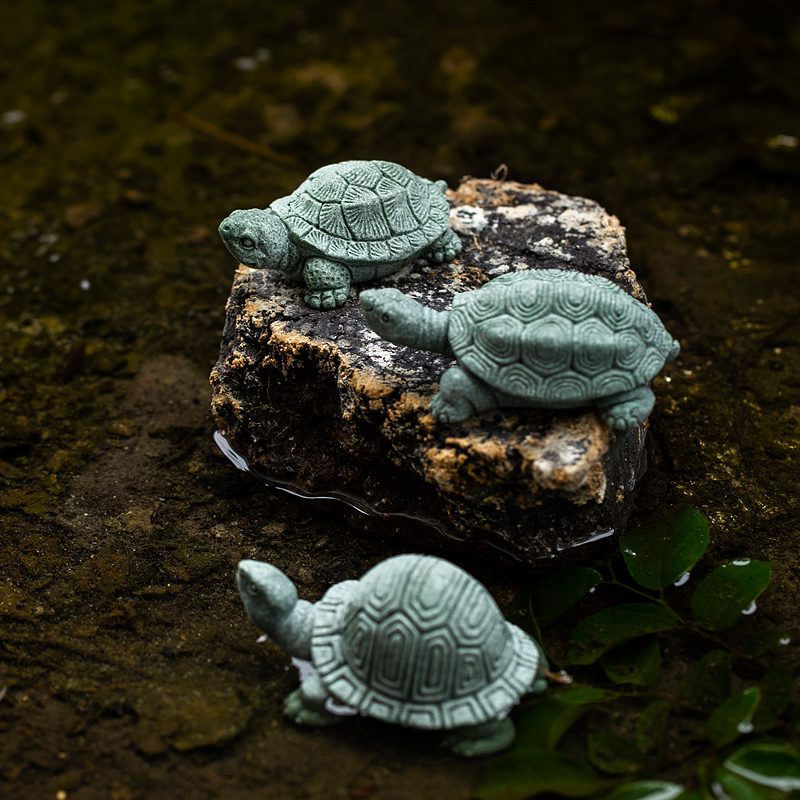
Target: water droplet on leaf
[683,578]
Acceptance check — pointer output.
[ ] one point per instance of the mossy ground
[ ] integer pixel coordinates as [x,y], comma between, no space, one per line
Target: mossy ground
[129,131]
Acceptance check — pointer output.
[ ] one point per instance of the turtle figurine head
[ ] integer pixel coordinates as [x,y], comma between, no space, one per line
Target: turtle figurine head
[271,602]
[393,315]
[416,642]
[257,238]
[401,319]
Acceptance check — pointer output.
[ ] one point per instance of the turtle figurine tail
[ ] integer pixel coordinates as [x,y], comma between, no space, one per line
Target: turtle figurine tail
[674,350]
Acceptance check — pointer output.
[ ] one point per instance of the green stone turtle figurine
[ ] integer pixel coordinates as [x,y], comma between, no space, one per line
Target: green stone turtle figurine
[542,338]
[346,223]
[417,642]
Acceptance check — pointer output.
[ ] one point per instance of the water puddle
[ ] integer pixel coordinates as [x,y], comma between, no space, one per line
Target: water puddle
[241,463]
[360,505]
[590,538]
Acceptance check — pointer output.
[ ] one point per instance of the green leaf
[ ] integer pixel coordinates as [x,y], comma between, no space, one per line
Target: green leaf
[518,611]
[557,591]
[524,773]
[585,694]
[600,632]
[733,717]
[738,788]
[637,662]
[776,689]
[542,726]
[710,681]
[646,790]
[652,725]
[763,641]
[614,754]
[729,591]
[657,555]
[776,766]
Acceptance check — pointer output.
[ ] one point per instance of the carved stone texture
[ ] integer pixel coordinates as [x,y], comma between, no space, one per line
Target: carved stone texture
[317,402]
[537,338]
[416,642]
[347,223]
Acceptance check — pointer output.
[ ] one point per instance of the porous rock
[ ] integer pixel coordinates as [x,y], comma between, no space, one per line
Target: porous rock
[317,402]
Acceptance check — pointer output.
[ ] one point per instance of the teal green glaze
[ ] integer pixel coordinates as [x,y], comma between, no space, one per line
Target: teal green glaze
[541,338]
[416,642]
[346,223]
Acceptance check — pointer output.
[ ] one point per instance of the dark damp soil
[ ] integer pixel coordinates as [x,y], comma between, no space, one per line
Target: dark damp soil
[128,131]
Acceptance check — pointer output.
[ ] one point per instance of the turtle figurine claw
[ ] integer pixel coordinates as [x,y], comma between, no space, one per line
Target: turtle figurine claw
[346,223]
[539,338]
[417,642]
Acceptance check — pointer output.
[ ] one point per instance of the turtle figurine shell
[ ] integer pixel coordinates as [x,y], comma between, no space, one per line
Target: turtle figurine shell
[346,223]
[416,642]
[543,338]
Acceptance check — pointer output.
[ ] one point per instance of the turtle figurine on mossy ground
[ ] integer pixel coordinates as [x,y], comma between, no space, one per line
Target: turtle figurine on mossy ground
[541,338]
[346,223]
[417,642]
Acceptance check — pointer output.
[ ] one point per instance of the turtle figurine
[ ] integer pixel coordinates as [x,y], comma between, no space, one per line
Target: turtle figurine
[346,223]
[417,642]
[542,338]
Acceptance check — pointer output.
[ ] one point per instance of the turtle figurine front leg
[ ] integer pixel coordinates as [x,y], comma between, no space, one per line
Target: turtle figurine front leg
[461,395]
[328,283]
[306,704]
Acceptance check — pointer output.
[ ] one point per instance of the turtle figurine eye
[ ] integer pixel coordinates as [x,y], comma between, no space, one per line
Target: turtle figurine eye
[247,243]
[386,316]
[253,589]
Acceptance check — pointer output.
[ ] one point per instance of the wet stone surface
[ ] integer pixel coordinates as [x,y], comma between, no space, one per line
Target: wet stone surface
[316,401]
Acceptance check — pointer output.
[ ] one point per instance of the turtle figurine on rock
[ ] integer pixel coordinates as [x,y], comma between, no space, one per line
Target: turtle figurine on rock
[541,338]
[417,642]
[346,223]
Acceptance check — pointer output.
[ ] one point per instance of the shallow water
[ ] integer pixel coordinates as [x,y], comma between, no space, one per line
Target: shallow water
[128,132]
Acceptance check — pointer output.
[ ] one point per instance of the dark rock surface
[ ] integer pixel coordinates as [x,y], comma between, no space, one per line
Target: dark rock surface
[317,402]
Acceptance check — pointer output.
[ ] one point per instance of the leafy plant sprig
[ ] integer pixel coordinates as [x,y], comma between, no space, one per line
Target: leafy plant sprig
[625,640]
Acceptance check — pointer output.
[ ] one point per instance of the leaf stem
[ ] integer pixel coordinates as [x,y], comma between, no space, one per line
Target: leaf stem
[657,600]
[537,630]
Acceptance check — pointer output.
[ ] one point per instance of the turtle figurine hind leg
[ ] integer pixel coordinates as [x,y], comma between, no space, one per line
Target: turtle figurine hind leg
[480,740]
[445,248]
[628,409]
